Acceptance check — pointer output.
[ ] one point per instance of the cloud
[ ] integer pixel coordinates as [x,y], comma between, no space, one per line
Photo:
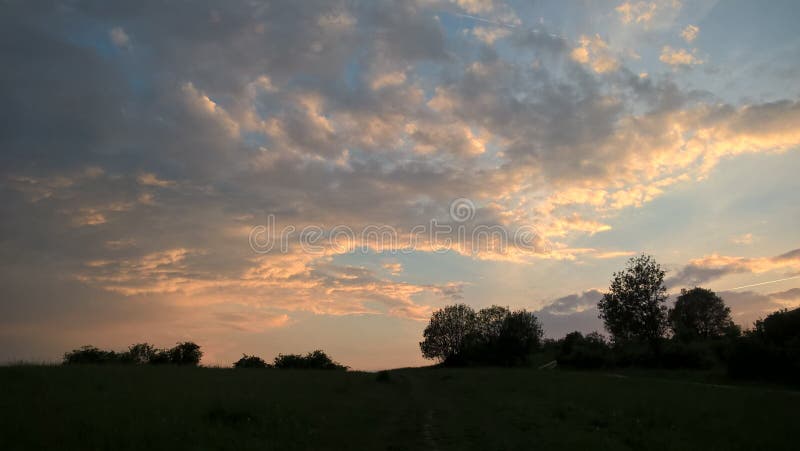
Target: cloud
[648,14]
[393,268]
[150,179]
[574,303]
[119,37]
[690,33]
[715,266]
[745,239]
[747,306]
[595,53]
[489,35]
[679,57]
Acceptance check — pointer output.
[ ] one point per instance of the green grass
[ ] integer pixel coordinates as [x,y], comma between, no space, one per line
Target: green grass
[170,408]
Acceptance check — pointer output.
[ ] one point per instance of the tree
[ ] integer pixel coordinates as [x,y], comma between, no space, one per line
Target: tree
[520,334]
[250,361]
[447,332]
[490,321]
[634,308]
[699,313]
[579,351]
[456,335]
[186,353]
[780,327]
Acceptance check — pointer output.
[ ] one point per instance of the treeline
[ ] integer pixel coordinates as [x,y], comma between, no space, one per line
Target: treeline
[186,353]
[189,354]
[697,332]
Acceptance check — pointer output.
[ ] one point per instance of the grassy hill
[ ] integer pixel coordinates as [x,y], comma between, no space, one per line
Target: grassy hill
[117,408]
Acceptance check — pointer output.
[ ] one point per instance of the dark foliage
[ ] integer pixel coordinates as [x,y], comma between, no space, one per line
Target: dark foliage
[251,361]
[456,335]
[447,332]
[771,351]
[634,307]
[699,314]
[186,353]
[578,351]
[779,328]
[91,355]
[140,353]
[316,360]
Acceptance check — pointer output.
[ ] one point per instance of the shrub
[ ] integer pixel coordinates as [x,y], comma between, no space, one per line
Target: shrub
[316,360]
[250,361]
[139,353]
[771,351]
[91,355]
[694,355]
[577,351]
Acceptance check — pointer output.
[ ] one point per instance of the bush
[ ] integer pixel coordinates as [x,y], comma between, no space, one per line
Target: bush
[769,352]
[383,376]
[316,360]
[577,351]
[186,353]
[139,353]
[694,355]
[91,355]
[251,361]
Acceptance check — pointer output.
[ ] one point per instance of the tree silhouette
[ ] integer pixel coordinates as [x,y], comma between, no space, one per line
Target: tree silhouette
[186,353]
[447,333]
[634,307]
[520,334]
[699,314]
[456,335]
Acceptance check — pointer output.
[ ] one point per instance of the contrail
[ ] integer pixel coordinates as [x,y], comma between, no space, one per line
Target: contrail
[505,24]
[481,19]
[764,283]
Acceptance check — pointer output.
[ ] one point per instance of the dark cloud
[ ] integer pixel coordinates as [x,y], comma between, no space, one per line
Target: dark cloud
[709,268]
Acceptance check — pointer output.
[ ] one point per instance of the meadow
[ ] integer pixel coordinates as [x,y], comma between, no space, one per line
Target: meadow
[169,407]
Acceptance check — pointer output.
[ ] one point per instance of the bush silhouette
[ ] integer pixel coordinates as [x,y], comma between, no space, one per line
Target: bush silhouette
[578,351]
[250,361]
[140,353]
[315,360]
[91,355]
[186,353]
[771,351]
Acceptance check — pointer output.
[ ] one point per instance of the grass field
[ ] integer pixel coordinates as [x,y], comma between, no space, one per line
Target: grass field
[149,408]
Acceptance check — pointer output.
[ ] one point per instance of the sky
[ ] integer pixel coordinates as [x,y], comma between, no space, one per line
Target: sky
[254,175]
